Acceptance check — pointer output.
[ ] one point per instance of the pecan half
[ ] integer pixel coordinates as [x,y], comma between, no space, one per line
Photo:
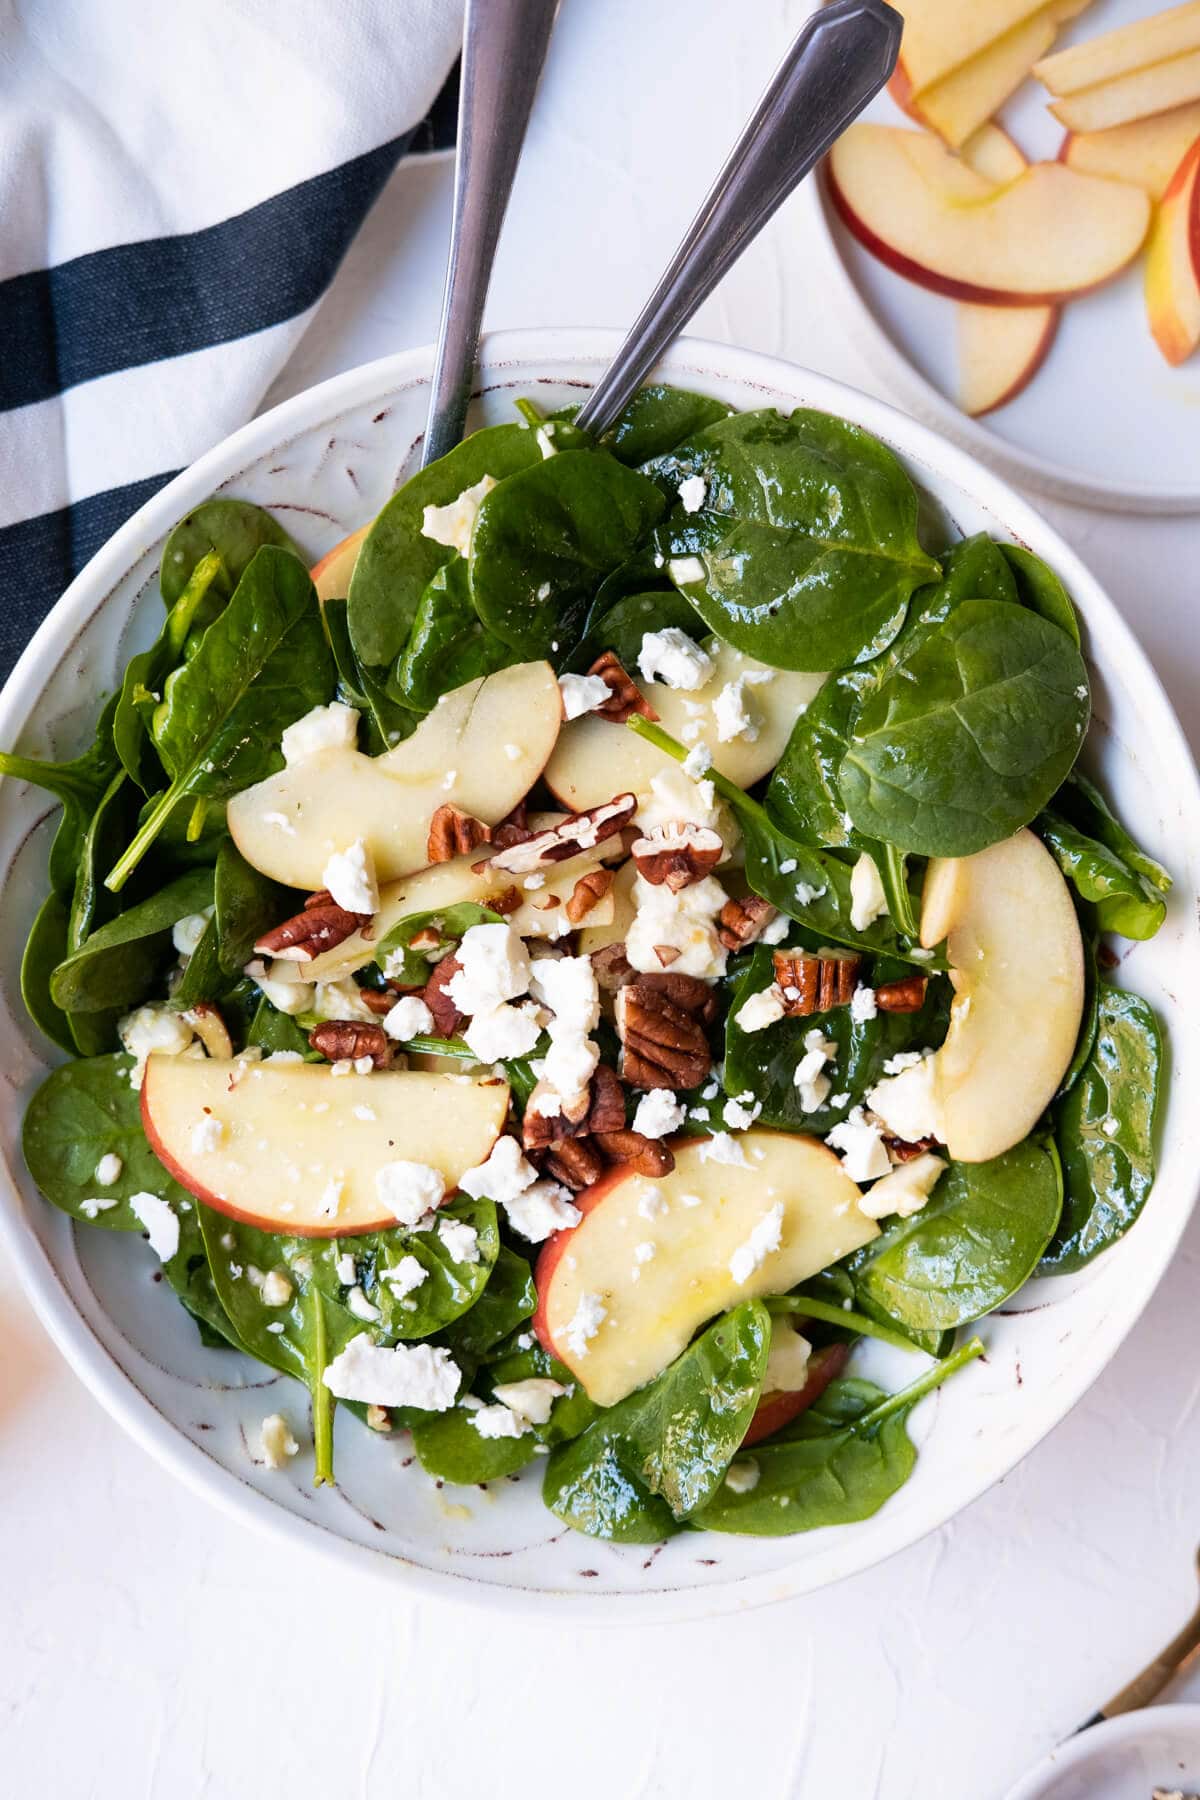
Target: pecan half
[663,1045]
[905,996]
[575,1162]
[612,968]
[687,992]
[453,832]
[742,922]
[515,829]
[505,902]
[343,1040]
[447,1020]
[377,1000]
[558,1121]
[645,1156]
[323,925]
[578,831]
[588,891]
[606,1101]
[901,1151]
[811,984]
[677,856]
[625,697]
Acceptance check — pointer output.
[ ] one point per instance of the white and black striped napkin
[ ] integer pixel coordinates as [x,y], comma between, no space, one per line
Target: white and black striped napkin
[178,184]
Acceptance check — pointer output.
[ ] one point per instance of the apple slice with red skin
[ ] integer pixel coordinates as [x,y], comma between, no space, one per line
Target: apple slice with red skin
[331,576]
[943,35]
[1173,264]
[290,1139]
[694,1220]
[1147,151]
[778,1409]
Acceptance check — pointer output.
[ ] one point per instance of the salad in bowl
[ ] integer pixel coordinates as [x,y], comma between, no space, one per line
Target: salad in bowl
[618,937]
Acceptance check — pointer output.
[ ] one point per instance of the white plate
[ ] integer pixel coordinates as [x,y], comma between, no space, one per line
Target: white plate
[1105,420]
[325,462]
[1122,1759]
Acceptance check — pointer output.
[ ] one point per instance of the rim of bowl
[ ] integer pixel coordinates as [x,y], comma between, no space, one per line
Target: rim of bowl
[917,443]
[1035,1785]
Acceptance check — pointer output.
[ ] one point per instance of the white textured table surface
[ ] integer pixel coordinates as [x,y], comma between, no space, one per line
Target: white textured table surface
[151,1648]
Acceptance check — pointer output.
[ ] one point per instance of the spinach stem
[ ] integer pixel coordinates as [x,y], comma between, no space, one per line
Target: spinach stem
[737,797]
[322,1399]
[531,414]
[836,1315]
[925,1384]
[142,839]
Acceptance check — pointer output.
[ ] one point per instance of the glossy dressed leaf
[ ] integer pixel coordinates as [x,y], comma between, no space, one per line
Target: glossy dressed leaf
[1039,588]
[203,977]
[546,538]
[78,785]
[272,1030]
[384,721]
[233,530]
[505,1303]
[396,561]
[119,964]
[1082,804]
[204,594]
[396,957]
[661,1454]
[1091,1013]
[977,1239]
[247,903]
[657,419]
[807,537]
[449,1290]
[83,1111]
[449,644]
[1104,1128]
[449,1447]
[92,905]
[622,626]
[969,736]
[45,948]
[1125,901]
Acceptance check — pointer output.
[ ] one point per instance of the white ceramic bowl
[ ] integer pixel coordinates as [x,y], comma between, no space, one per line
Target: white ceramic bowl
[325,462]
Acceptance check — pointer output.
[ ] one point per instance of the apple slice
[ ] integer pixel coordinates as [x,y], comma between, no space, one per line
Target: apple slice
[1146,152]
[594,759]
[1165,37]
[1016,960]
[941,35]
[297,1148]
[1133,96]
[331,576]
[598,934]
[960,102]
[696,1219]
[482,748]
[777,1406]
[1041,238]
[1173,264]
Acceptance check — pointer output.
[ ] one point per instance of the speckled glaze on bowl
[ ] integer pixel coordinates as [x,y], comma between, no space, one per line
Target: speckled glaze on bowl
[325,462]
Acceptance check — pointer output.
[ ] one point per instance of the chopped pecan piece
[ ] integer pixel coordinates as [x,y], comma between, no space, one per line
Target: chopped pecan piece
[645,1156]
[505,902]
[548,1118]
[906,996]
[625,697]
[344,1040]
[515,829]
[901,1151]
[742,922]
[677,856]
[688,992]
[811,984]
[606,1101]
[667,954]
[447,1020]
[612,968]
[588,891]
[323,925]
[377,1000]
[453,832]
[575,1162]
[578,831]
[664,1044]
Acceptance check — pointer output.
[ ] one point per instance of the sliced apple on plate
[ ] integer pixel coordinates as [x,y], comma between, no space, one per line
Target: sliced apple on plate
[925,213]
[1016,962]
[1137,95]
[331,576]
[780,1403]
[594,759]
[481,748]
[960,102]
[696,1220]
[941,35]
[1146,152]
[294,1147]
[1173,264]
[1163,38]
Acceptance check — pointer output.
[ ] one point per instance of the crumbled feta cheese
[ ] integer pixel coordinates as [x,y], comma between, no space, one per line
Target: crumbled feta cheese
[409,1189]
[497,1422]
[697,762]
[567,985]
[349,876]
[346,1269]
[692,493]
[788,865]
[741,1477]
[787,1360]
[108,1169]
[863,1151]
[149,1029]
[589,1316]
[503,1177]
[337,999]
[685,570]
[862,1005]
[868,901]
[161,1225]
[407,1276]
[365,1113]
[280,821]
[721,1148]
[532,1399]
[645,1252]
[276,1289]
[91,1209]
[494,967]
[658,1114]
[542,1209]
[685,922]
[904,1059]
[651,1205]
[409,1018]
[671,656]
[806,893]
[761,1009]
[732,717]
[332,727]
[582,694]
[331,1197]
[282,984]
[907,1102]
[361,1307]
[501,1031]
[740,1117]
[207,1134]
[278,1444]
[461,1240]
[1110,1127]
[404,1375]
[811,1081]
[453,523]
[905,1190]
[775,930]
[764,1239]
[187,932]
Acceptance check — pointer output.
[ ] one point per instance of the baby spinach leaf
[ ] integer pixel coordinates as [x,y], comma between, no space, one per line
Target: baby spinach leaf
[969,736]
[977,1239]
[1039,588]
[92,904]
[545,539]
[449,644]
[260,665]
[1091,1012]
[838,1463]
[622,626]
[449,1289]
[146,672]
[232,530]
[45,948]
[396,561]
[202,977]
[246,904]
[807,537]
[117,966]
[661,1454]
[1125,901]
[1104,1128]
[1082,804]
[396,956]
[79,785]
[83,1111]
[272,1030]
[505,1303]
[385,720]
[449,1446]
[764,1062]
[656,419]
